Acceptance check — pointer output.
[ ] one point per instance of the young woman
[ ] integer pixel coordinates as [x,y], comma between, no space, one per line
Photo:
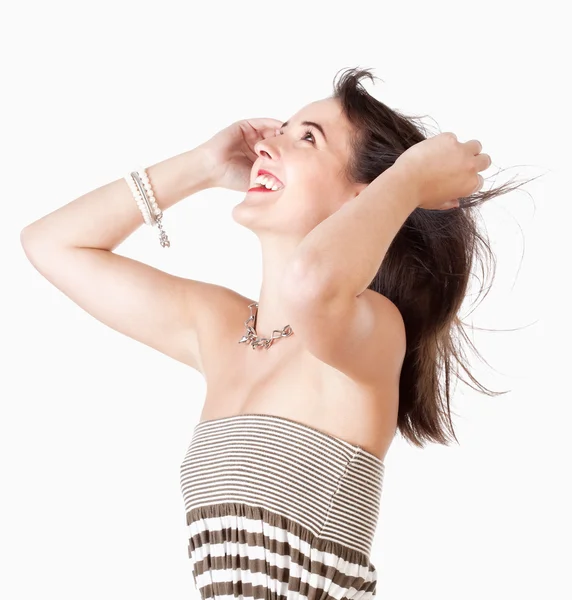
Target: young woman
[368,238]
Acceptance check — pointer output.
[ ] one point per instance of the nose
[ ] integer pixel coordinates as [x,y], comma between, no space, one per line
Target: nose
[266,148]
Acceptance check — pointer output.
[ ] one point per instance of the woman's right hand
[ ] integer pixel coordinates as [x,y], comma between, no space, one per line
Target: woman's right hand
[231,151]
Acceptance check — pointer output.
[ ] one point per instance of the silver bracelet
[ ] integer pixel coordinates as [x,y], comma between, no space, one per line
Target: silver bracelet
[140,186]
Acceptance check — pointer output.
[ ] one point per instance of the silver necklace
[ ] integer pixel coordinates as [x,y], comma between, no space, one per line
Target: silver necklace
[251,336]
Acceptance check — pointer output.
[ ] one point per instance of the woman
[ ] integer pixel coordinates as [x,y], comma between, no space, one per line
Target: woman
[365,266]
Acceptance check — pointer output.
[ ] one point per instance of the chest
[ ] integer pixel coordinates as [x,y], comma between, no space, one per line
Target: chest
[286,380]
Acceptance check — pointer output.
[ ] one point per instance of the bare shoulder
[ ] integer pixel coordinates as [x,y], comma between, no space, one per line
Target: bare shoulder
[390,320]
[381,403]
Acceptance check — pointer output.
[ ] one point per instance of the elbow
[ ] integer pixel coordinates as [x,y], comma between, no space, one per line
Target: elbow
[25,238]
[304,291]
[29,243]
[29,234]
[25,234]
[37,248]
[28,239]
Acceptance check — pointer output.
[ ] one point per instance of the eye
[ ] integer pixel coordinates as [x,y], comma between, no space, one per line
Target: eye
[309,132]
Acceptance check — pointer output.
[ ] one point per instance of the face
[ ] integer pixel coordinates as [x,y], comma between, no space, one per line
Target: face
[309,164]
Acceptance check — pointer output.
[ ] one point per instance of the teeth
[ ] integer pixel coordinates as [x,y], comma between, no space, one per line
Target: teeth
[268,182]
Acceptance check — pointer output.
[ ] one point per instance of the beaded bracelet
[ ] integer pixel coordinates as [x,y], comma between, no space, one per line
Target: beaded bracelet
[142,191]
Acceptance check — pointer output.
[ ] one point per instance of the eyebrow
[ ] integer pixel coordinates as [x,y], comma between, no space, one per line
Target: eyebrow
[311,124]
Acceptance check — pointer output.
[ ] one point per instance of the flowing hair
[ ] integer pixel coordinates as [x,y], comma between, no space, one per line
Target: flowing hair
[426,269]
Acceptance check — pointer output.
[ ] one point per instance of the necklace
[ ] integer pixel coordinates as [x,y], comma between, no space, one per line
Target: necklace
[251,336]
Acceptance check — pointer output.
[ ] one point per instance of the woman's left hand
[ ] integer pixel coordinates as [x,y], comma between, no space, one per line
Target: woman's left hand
[442,170]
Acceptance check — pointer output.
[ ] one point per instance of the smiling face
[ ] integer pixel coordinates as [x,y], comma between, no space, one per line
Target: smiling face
[311,166]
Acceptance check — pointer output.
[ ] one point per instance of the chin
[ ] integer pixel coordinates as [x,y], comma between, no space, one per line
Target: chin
[245,214]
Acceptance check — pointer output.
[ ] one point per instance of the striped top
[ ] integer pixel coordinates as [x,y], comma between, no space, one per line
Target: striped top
[276,507]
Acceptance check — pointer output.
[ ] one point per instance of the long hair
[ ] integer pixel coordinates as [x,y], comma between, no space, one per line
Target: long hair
[426,269]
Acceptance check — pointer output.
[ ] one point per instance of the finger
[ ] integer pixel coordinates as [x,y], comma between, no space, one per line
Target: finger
[475,146]
[260,129]
[448,205]
[483,161]
[265,125]
[479,185]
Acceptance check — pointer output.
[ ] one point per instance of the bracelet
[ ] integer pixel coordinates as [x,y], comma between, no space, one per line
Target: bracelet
[140,186]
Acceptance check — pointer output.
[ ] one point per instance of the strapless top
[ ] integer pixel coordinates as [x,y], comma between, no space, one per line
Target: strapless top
[279,510]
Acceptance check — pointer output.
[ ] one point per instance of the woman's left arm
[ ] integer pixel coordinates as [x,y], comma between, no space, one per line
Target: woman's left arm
[343,253]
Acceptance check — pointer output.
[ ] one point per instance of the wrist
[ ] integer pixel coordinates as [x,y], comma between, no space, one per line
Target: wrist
[200,168]
[402,177]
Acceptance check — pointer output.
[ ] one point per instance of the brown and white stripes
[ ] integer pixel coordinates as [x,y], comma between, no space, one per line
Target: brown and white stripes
[276,508]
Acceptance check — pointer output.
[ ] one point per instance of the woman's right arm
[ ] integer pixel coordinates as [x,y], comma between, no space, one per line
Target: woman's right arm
[72,247]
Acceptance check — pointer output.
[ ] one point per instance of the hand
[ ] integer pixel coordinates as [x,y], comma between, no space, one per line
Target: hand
[231,152]
[442,170]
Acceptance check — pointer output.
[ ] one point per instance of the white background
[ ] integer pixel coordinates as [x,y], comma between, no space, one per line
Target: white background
[94,426]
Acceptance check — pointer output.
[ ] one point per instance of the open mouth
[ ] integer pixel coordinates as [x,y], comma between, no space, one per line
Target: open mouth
[266,182]
[263,188]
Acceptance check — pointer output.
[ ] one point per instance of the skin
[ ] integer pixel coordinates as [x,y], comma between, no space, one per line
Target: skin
[315,187]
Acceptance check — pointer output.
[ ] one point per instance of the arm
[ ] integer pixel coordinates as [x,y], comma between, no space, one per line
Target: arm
[343,253]
[353,329]
[72,247]
[106,216]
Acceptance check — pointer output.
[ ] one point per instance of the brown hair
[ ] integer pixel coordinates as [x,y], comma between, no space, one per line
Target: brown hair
[426,269]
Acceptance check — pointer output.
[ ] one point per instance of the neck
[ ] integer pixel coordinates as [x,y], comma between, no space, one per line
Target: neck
[272,312]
